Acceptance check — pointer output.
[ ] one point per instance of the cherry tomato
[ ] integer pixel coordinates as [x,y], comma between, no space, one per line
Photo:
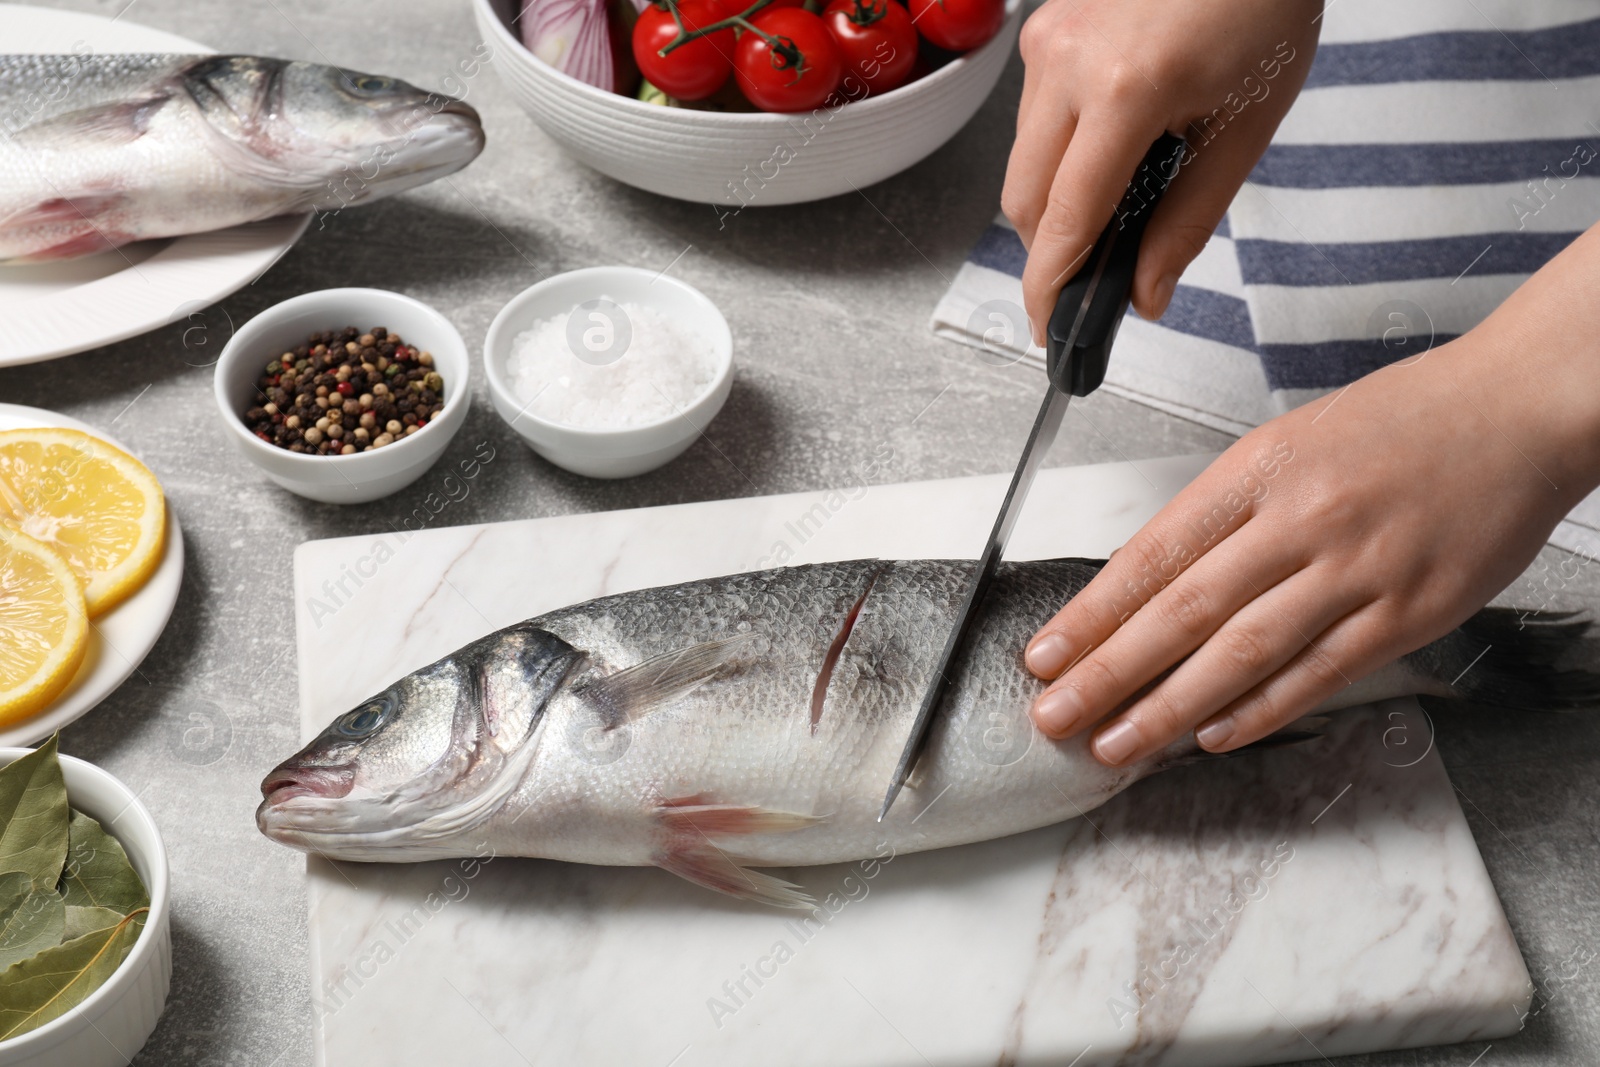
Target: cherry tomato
[877,41]
[692,71]
[788,62]
[958,25]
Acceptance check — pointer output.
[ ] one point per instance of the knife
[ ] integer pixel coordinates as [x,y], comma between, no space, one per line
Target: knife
[1079,337]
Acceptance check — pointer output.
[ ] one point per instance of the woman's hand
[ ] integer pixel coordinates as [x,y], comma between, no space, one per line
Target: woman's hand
[1104,79]
[1336,538]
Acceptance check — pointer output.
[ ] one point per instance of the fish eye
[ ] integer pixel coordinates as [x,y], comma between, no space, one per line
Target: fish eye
[370,83]
[365,720]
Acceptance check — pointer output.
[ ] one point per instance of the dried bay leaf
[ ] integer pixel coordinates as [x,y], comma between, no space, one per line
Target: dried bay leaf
[81,921]
[53,982]
[31,920]
[71,905]
[97,872]
[33,816]
[13,887]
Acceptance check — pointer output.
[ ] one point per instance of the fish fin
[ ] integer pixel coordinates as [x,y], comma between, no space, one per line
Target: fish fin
[84,244]
[716,870]
[687,825]
[108,124]
[693,815]
[62,209]
[1300,732]
[635,691]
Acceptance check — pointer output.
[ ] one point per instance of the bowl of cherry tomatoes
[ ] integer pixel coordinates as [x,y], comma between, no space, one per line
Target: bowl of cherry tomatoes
[749,103]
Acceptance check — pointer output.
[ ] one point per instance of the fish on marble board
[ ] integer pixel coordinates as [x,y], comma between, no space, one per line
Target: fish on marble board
[720,726]
[97,151]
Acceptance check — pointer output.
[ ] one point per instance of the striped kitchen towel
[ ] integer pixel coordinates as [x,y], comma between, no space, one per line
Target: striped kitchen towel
[1439,153]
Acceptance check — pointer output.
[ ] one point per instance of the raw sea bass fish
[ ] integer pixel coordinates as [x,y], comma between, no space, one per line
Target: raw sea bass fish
[100,150]
[753,720]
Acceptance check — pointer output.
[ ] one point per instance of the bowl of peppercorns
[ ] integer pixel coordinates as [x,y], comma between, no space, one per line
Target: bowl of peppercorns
[344,395]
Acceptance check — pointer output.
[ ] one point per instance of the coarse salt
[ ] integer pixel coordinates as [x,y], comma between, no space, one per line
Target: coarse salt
[609,365]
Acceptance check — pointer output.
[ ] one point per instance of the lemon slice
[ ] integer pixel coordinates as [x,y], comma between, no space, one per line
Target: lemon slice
[97,506]
[44,625]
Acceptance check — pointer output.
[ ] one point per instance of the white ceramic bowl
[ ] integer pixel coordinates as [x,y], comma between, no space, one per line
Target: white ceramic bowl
[114,1021]
[747,158]
[619,453]
[364,476]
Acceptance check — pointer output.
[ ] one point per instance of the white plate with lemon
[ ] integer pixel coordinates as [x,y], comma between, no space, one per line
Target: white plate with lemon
[89,582]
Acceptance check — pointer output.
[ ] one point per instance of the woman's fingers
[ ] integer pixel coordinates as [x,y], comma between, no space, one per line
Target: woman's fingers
[1195,522]
[1043,133]
[1130,579]
[1346,652]
[1105,150]
[1273,630]
[1180,618]
[1215,164]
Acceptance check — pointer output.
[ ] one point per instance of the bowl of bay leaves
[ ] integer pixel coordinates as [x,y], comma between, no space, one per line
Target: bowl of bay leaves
[85,941]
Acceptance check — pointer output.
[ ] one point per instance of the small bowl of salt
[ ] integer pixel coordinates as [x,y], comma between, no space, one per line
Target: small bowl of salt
[609,371]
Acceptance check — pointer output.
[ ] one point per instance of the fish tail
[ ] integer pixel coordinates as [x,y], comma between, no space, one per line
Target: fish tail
[1515,659]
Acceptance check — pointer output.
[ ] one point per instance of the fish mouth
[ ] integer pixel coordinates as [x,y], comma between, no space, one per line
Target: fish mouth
[448,140]
[421,152]
[464,110]
[323,783]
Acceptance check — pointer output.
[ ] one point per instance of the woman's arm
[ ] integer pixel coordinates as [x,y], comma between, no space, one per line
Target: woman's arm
[1339,536]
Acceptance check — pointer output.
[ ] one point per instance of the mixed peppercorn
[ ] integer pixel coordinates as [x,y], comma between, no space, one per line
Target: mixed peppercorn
[345,391]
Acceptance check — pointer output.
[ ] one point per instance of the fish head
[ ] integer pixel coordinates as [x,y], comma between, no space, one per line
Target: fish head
[405,773]
[340,136]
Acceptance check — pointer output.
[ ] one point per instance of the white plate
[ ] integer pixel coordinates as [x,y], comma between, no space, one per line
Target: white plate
[124,635]
[56,309]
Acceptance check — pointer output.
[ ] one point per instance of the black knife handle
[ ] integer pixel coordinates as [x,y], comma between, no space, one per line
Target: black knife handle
[1091,305]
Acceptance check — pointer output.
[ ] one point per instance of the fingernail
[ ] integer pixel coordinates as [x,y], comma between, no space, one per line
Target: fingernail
[1213,735]
[1058,711]
[1164,289]
[1047,657]
[1116,743]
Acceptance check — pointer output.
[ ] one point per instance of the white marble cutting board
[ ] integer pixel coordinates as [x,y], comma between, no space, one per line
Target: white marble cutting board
[1295,904]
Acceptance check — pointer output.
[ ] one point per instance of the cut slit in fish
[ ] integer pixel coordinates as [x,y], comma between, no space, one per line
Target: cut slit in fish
[819,693]
[687,826]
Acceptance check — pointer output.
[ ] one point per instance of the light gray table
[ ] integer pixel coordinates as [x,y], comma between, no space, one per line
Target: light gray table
[829,305]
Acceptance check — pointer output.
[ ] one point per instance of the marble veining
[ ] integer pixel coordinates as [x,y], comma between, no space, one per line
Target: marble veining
[1310,901]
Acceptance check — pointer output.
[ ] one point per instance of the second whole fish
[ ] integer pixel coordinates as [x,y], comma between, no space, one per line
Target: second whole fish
[97,151]
[750,721]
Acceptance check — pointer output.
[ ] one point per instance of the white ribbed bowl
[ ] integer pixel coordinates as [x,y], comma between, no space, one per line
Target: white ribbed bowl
[718,158]
[113,1023]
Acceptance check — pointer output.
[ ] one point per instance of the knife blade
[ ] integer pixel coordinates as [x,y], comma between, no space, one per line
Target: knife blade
[1082,328]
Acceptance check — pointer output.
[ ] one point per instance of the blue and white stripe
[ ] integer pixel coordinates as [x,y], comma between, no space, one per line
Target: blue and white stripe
[1439,153]
[1207,326]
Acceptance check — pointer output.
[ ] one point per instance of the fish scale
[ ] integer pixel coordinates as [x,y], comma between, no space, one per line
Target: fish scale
[97,151]
[674,727]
